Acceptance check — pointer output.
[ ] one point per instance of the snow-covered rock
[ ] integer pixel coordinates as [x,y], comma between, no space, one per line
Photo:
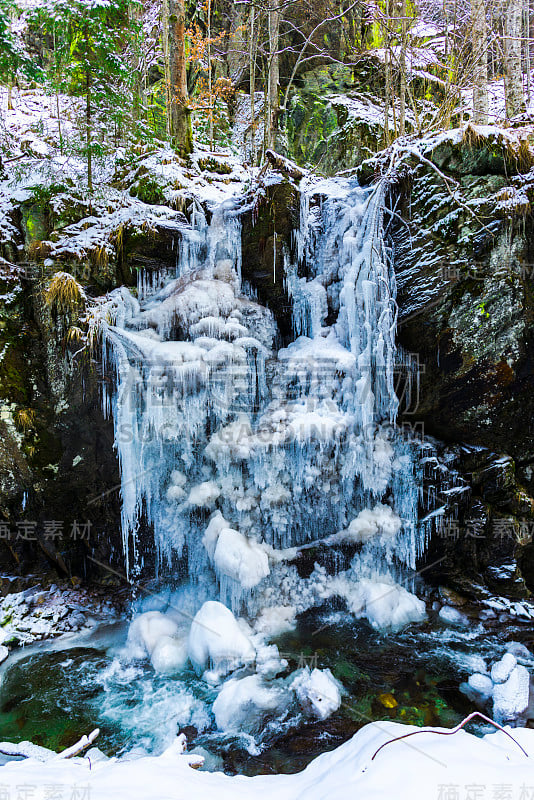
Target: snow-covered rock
[518,649]
[478,688]
[217,641]
[501,670]
[510,699]
[452,616]
[245,704]
[318,692]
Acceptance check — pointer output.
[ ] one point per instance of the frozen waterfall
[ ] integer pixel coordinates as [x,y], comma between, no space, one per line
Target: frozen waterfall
[240,456]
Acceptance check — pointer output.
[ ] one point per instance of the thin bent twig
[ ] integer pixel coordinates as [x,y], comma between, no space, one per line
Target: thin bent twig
[454,730]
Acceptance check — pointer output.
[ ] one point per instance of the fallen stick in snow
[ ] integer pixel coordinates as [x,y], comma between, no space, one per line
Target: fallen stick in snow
[30,750]
[452,731]
[26,750]
[79,747]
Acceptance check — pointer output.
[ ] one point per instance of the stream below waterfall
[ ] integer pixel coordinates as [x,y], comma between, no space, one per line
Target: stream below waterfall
[272,505]
[55,692]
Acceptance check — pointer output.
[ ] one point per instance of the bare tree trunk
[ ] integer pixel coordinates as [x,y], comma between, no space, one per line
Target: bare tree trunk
[273,72]
[252,86]
[387,69]
[402,67]
[480,63]
[210,79]
[513,84]
[88,131]
[178,111]
[58,108]
[527,48]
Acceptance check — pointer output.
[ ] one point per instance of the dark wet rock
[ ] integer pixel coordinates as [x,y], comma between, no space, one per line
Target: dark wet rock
[267,231]
[465,302]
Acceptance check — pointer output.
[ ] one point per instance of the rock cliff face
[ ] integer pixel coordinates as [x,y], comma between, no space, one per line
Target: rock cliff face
[462,237]
[57,450]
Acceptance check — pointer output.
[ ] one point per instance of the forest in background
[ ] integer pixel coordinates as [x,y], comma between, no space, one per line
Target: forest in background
[150,73]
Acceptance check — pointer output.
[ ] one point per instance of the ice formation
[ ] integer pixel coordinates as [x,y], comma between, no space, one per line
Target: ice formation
[317,691]
[157,636]
[237,454]
[217,642]
[225,441]
[244,704]
[507,689]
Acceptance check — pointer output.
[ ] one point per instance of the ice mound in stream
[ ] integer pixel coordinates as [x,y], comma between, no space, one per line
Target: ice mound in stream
[385,604]
[318,692]
[157,636]
[246,704]
[217,642]
[508,689]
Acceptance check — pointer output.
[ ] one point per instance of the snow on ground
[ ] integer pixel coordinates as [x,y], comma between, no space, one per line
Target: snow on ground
[36,613]
[35,158]
[368,109]
[425,766]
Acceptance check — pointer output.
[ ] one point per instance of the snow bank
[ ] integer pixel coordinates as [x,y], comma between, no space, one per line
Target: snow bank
[418,768]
